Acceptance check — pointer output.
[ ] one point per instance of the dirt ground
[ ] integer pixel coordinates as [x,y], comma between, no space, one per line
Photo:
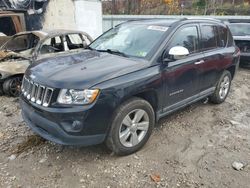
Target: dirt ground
[194,147]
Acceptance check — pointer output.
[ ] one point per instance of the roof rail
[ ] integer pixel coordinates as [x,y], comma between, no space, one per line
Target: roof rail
[143,19]
[139,19]
[204,18]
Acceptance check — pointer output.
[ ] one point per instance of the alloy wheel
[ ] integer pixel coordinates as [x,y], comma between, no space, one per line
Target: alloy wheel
[224,87]
[134,128]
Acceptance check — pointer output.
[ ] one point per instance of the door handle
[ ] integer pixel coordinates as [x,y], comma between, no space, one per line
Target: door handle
[199,62]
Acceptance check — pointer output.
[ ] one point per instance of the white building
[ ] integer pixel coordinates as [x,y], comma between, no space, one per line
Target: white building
[84,15]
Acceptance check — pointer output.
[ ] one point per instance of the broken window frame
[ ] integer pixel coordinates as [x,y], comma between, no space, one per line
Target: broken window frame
[37,53]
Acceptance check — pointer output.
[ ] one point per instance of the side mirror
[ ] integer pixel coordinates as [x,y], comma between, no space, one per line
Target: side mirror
[178,52]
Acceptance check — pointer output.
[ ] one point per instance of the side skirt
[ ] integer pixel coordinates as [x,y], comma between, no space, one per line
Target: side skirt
[170,109]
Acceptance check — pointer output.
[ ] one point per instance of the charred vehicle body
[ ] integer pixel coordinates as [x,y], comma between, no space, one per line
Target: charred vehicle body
[241,35]
[11,23]
[23,48]
[128,79]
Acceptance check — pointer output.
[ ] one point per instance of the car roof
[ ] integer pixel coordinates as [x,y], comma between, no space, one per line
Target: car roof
[168,22]
[49,33]
[154,21]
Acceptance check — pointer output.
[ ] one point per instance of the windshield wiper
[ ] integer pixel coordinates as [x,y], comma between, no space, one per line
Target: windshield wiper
[113,51]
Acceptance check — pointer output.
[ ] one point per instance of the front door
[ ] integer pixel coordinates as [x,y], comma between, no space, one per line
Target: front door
[51,47]
[181,77]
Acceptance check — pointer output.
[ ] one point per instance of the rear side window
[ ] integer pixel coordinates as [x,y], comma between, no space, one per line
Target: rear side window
[209,37]
[186,37]
[222,40]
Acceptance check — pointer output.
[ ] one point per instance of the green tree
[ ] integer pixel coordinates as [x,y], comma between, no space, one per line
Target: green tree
[200,3]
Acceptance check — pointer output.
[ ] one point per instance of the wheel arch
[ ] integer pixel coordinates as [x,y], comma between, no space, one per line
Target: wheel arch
[232,70]
[149,95]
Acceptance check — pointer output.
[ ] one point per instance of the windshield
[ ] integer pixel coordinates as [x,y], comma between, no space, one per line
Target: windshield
[22,43]
[240,29]
[130,39]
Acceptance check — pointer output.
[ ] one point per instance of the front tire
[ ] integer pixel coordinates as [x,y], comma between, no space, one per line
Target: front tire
[131,126]
[12,86]
[222,88]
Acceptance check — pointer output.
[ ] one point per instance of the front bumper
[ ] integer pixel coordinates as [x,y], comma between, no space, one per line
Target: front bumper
[57,126]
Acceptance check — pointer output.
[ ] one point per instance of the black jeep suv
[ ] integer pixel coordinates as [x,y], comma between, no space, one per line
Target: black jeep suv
[130,77]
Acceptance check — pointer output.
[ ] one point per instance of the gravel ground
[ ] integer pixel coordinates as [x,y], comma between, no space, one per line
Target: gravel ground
[194,147]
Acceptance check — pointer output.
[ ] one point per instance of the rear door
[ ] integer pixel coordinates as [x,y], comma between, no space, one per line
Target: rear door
[181,77]
[213,41]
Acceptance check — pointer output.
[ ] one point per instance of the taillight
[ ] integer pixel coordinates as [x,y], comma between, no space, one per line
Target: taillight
[237,51]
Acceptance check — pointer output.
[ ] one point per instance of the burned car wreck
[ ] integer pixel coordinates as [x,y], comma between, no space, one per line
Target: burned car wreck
[11,23]
[26,47]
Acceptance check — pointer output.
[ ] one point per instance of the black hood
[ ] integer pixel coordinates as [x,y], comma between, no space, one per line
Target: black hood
[82,70]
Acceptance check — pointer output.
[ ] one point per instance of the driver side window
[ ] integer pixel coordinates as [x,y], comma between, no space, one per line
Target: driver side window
[52,45]
[186,37]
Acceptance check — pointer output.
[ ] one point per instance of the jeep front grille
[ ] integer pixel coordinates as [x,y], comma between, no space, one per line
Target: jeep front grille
[36,93]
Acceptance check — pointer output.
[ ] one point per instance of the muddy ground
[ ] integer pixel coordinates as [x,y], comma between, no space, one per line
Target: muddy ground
[194,147]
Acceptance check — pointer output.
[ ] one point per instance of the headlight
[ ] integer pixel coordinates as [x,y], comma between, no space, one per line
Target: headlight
[72,96]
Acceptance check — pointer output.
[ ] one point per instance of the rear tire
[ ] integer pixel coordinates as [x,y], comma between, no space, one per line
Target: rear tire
[12,86]
[131,126]
[222,89]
